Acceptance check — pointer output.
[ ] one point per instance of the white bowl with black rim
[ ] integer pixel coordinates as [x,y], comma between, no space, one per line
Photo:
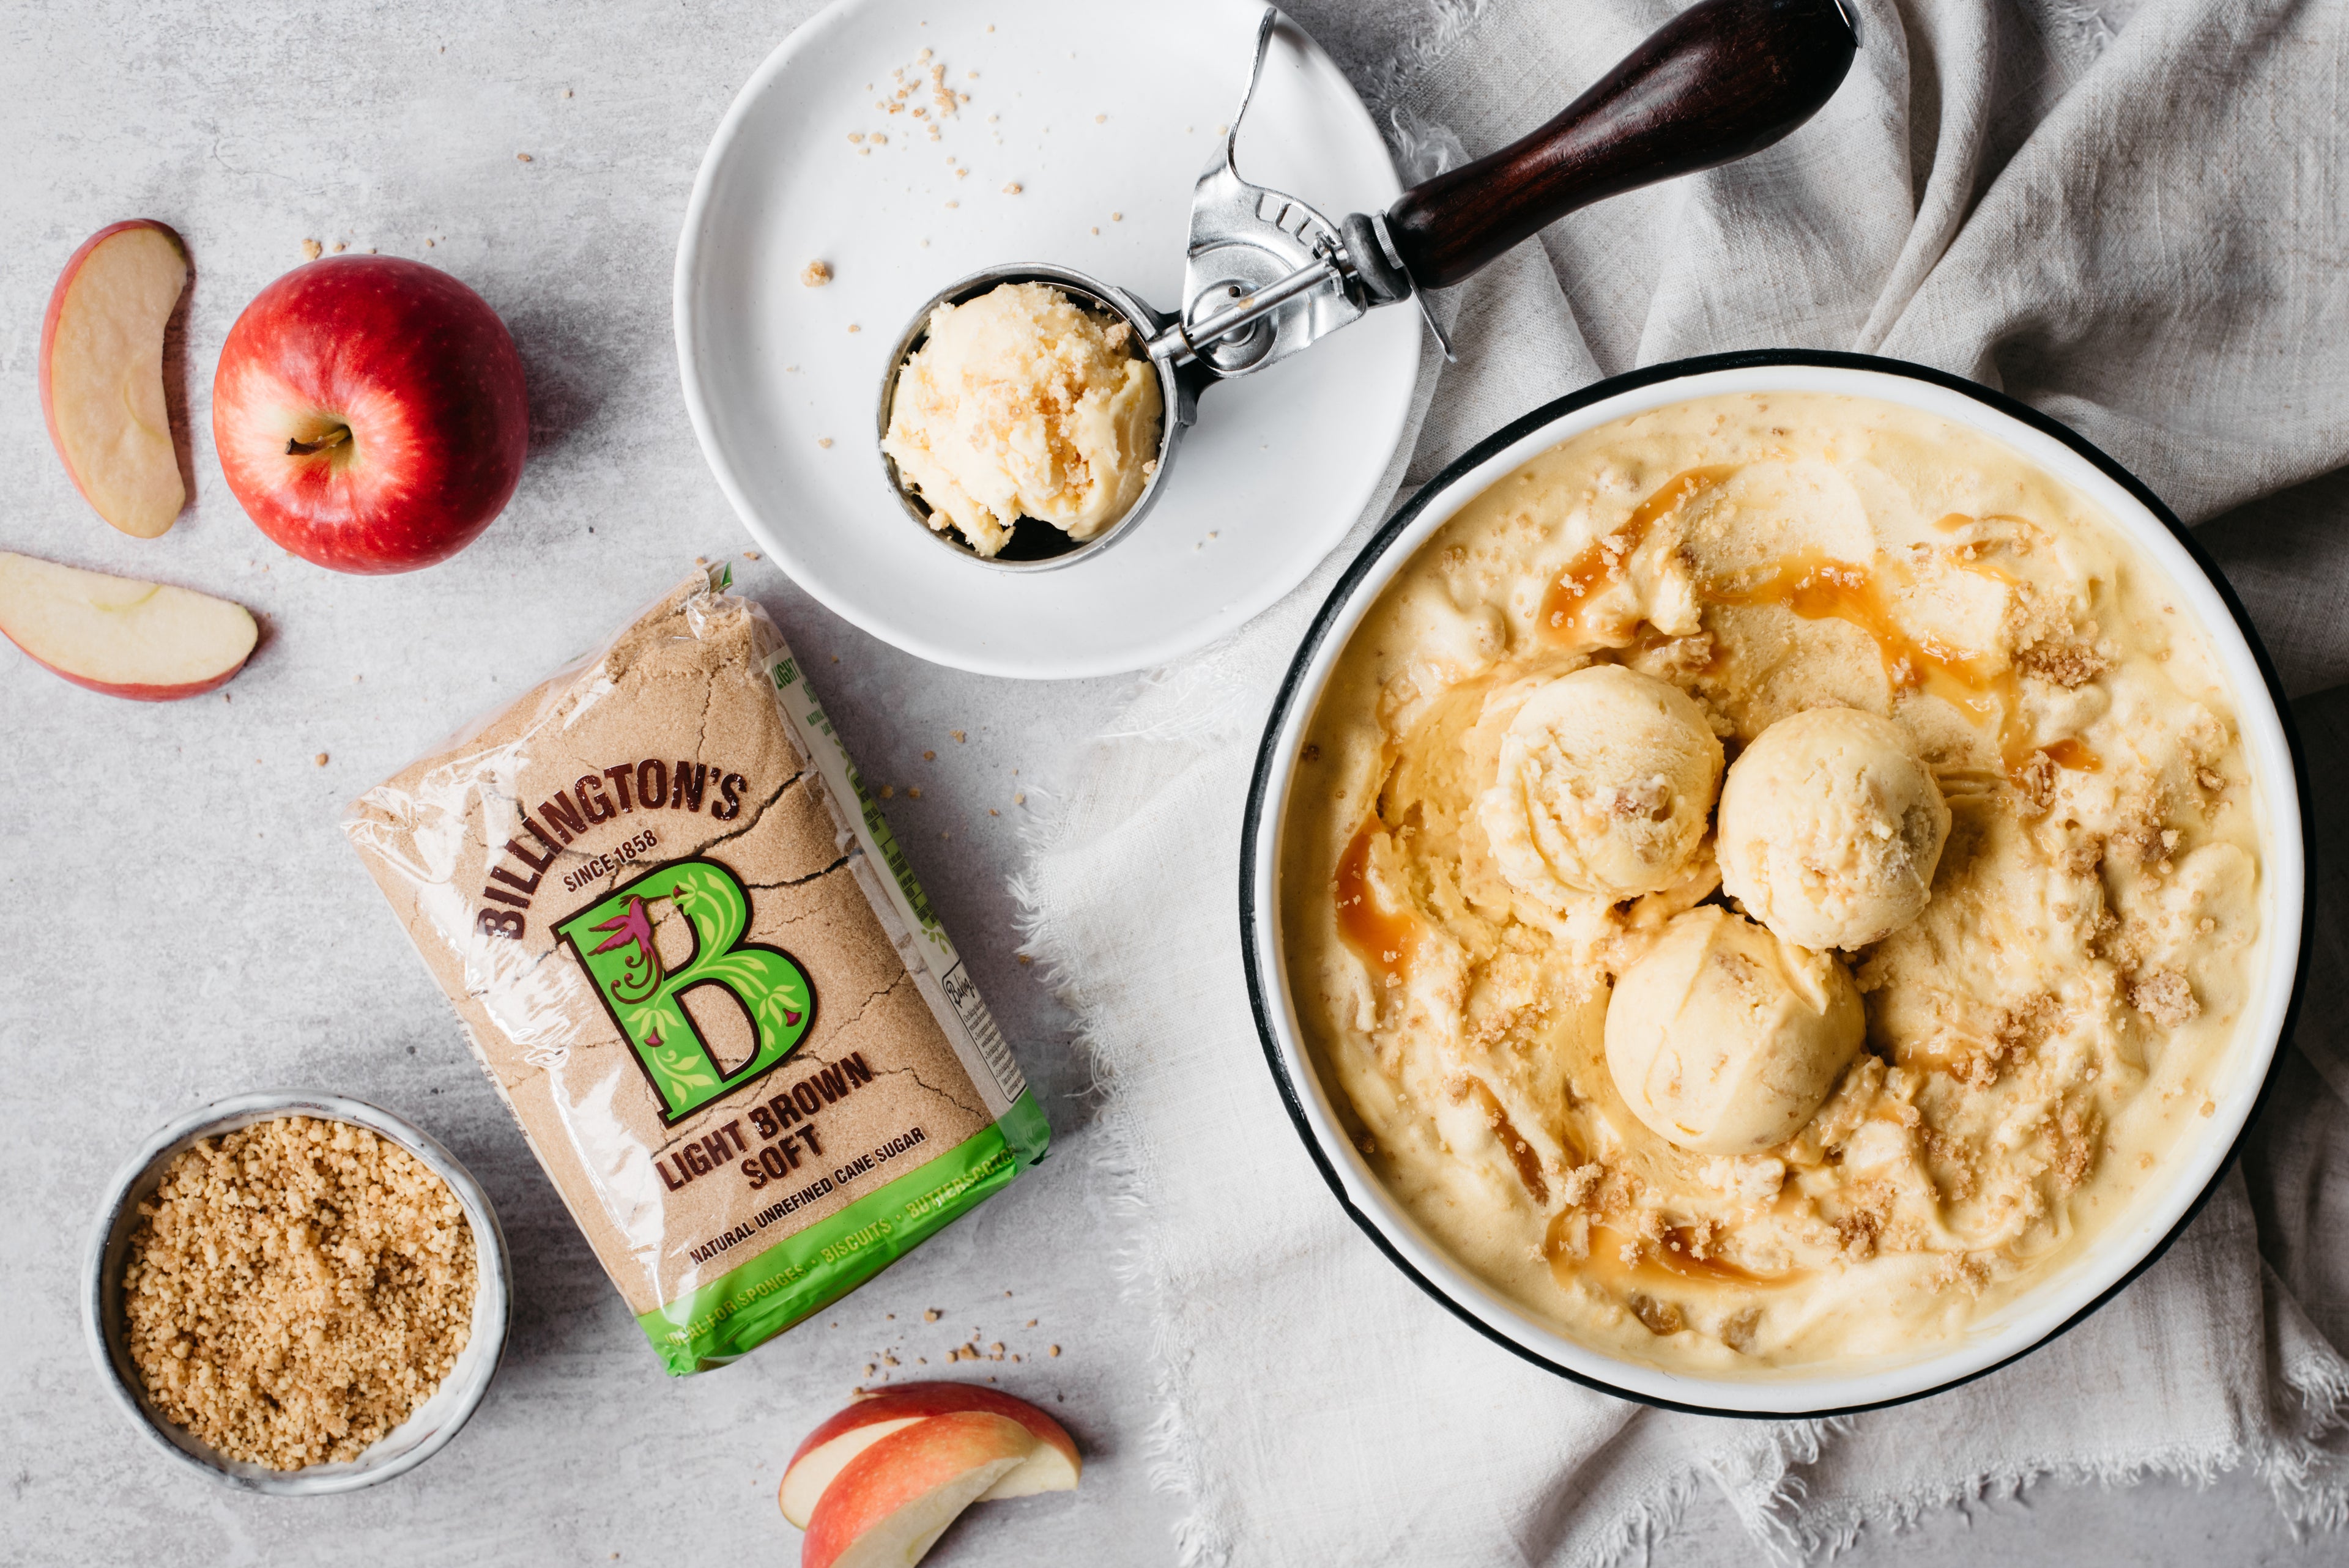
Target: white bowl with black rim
[426,1431]
[2238,1085]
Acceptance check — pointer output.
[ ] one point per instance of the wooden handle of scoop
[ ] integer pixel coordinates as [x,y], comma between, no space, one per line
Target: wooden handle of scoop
[1723,79]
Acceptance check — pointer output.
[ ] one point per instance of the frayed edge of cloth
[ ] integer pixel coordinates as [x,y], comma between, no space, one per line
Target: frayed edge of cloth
[1641,1527]
[2308,1384]
[1169,1451]
[1794,1528]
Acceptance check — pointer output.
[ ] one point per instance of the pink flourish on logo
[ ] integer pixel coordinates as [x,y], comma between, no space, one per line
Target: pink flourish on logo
[633,929]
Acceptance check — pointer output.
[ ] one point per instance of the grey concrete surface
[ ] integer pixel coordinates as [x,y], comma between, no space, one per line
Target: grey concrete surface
[185,921]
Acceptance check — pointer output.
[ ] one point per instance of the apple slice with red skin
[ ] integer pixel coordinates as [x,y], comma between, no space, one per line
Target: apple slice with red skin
[370,414]
[125,638]
[1053,1467]
[890,1503]
[102,374]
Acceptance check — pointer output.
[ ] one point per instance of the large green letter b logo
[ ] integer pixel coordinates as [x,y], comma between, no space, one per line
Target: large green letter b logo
[613,940]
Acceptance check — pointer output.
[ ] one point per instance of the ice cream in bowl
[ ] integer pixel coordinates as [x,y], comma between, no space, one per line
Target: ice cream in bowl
[1775,887]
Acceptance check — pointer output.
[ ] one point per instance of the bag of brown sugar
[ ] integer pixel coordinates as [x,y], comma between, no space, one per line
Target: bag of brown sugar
[692,959]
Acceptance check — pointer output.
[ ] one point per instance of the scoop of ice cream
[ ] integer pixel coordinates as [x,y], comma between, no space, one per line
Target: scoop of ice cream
[1725,1039]
[1021,403]
[1605,781]
[1830,828]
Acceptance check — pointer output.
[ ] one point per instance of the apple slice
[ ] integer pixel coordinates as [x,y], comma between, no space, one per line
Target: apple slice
[138,640]
[1053,1467]
[890,1503]
[101,373]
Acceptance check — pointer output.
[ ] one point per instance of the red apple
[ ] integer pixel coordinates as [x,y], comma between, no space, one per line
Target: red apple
[890,1503]
[102,374]
[369,413]
[1053,1467]
[124,638]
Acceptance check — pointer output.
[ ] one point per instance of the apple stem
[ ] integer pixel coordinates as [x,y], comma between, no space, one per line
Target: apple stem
[334,438]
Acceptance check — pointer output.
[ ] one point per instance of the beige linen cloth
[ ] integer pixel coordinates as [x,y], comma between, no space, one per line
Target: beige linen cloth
[2139,223]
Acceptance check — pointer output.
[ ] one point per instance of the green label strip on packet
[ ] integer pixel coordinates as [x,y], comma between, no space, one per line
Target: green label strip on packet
[748,1305]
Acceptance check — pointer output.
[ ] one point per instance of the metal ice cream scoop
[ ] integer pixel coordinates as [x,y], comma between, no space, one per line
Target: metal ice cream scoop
[1268,275]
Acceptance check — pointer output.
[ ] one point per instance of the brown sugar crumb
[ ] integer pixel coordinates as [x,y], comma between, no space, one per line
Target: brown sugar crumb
[2036,781]
[1012,189]
[2047,642]
[815,274]
[2021,1030]
[2068,665]
[1859,1231]
[522,158]
[930,1317]
[320,759]
[824,442]
[297,1288]
[1055,1350]
[312,248]
[1959,1271]
[914,790]
[2077,1134]
[2163,995]
[929,757]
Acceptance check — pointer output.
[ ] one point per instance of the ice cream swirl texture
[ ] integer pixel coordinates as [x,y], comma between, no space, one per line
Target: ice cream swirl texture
[1771,879]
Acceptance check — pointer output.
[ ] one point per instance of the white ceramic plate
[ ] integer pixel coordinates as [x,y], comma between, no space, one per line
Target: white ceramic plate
[1104,116]
[2112,1258]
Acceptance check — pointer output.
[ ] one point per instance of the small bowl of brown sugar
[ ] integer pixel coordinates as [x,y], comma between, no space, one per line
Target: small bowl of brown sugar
[296,1293]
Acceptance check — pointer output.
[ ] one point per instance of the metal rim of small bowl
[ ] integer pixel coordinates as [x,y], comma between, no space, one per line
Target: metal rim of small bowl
[1454,1286]
[426,1430]
[1107,298]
